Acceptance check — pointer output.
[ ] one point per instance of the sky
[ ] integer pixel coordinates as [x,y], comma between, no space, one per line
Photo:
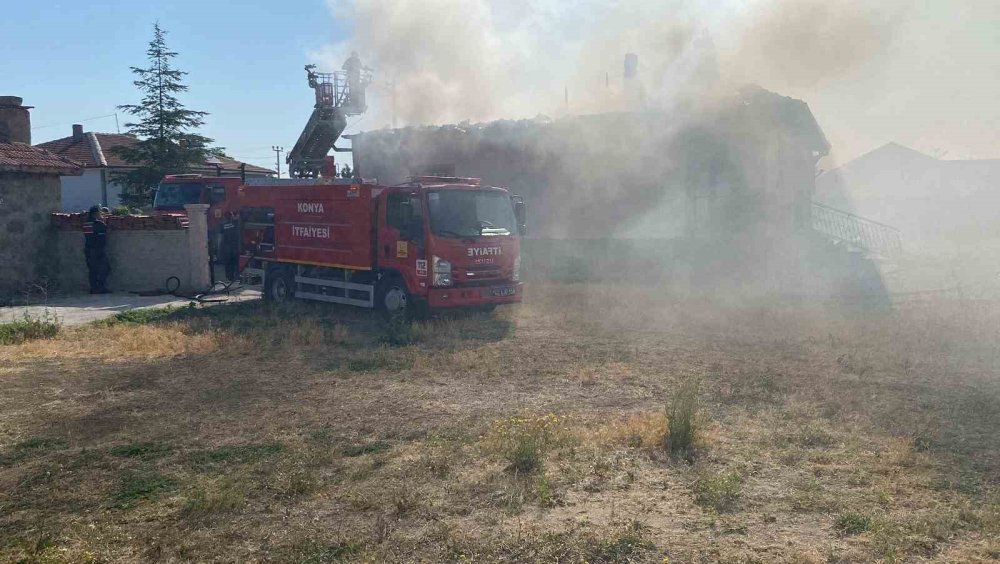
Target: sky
[921,73]
[70,60]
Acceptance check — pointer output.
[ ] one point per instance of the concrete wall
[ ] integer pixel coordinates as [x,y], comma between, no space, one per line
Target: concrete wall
[26,200]
[81,192]
[142,260]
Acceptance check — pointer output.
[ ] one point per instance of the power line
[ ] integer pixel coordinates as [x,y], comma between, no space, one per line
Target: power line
[115,115]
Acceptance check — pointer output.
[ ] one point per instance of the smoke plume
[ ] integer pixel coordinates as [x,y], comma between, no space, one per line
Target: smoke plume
[454,60]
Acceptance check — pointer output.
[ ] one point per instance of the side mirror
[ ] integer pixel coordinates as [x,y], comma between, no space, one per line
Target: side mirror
[519,213]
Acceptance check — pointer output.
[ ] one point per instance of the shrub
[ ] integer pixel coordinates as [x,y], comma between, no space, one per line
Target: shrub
[524,441]
[682,424]
[29,328]
[718,490]
[121,211]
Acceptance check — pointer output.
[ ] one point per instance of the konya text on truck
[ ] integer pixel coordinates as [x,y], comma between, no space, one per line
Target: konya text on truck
[431,243]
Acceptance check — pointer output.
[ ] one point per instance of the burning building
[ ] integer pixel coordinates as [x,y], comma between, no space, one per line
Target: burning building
[711,188]
[743,164]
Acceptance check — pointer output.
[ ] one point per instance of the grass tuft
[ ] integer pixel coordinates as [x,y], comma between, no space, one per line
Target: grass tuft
[852,523]
[226,495]
[41,443]
[331,553]
[136,487]
[29,447]
[682,424]
[398,331]
[373,447]
[718,490]
[624,546]
[236,454]
[143,450]
[524,441]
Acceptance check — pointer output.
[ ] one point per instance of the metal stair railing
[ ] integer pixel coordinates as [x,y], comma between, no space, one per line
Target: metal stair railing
[866,234]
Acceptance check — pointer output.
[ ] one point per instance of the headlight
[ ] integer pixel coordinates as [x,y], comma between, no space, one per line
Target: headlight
[516,275]
[442,271]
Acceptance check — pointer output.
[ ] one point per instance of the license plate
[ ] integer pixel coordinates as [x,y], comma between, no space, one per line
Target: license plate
[502,291]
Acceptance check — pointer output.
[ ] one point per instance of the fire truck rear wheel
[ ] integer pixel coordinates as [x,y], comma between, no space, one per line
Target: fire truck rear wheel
[391,296]
[280,285]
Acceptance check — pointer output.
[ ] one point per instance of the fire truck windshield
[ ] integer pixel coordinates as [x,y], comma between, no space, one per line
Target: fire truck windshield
[470,213]
[174,196]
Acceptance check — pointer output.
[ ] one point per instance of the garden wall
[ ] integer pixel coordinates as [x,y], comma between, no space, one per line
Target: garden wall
[143,255]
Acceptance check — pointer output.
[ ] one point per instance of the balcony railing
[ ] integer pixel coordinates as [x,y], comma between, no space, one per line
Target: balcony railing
[865,234]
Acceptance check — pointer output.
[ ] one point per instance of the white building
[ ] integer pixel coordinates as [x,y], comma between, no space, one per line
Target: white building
[937,204]
[97,185]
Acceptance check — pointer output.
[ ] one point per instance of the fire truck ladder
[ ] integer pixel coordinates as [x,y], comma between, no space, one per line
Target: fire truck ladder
[872,237]
[328,120]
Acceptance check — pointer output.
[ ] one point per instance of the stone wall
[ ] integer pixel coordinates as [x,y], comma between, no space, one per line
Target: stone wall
[26,200]
[142,260]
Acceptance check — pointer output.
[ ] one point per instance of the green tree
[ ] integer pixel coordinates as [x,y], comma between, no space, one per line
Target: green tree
[167,141]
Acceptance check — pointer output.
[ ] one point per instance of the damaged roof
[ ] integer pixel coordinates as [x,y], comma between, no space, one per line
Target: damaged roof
[756,107]
[18,157]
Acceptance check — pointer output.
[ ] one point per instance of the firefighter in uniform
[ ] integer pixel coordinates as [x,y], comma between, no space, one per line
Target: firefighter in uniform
[95,250]
[355,87]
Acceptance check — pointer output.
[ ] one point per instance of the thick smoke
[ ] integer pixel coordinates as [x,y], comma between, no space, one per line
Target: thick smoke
[456,60]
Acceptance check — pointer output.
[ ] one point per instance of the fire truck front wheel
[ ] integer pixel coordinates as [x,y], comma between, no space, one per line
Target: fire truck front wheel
[391,296]
[279,285]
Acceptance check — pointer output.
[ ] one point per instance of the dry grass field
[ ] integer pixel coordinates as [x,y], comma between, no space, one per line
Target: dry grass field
[597,424]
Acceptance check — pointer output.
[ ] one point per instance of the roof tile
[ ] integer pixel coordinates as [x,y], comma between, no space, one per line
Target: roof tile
[18,157]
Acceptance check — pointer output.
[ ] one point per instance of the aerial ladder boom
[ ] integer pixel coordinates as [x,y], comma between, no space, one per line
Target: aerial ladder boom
[338,95]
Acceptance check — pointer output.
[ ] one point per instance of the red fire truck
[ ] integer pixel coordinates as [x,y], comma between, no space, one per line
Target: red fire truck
[431,243]
[176,190]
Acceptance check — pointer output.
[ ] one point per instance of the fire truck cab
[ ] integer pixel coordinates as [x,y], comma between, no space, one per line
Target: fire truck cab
[177,190]
[431,243]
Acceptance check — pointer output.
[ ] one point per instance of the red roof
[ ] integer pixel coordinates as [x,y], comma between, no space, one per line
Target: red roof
[94,150]
[18,157]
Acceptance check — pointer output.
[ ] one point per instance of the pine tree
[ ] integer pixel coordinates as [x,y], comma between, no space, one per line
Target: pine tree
[167,143]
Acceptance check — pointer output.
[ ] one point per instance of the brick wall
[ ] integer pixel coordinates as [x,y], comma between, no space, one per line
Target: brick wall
[142,260]
[26,200]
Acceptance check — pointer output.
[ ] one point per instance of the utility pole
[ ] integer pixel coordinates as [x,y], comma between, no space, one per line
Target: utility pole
[277,157]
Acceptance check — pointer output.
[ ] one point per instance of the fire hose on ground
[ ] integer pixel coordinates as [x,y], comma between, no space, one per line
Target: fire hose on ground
[173,283]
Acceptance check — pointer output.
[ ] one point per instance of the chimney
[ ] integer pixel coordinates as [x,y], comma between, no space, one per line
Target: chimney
[77,132]
[631,66]
[15,121]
